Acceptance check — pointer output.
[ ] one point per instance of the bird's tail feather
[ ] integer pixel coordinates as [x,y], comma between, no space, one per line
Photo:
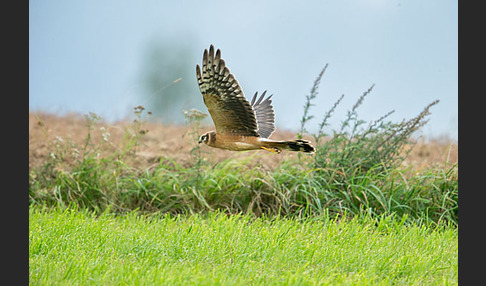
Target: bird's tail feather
[297,145]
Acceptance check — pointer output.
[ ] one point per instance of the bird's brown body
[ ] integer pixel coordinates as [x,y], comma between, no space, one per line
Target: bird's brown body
[232,142]
[240,125]
[244,143]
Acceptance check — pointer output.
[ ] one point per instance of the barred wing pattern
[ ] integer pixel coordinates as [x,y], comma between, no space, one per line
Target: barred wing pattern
[264,114]
[231,112]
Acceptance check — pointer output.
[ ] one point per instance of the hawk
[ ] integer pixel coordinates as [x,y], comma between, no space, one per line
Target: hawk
[240,125]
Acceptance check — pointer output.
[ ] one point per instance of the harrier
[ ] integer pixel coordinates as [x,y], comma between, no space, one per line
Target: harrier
[240,125]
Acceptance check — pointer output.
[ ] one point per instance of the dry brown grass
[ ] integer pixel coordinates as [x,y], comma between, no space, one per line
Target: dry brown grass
[47,131]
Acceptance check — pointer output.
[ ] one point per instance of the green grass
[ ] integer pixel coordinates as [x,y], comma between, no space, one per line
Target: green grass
[350,214]
[233,187]
[68,246]
[357,169]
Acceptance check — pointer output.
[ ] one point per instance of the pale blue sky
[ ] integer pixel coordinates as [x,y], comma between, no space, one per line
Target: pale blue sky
[86,56]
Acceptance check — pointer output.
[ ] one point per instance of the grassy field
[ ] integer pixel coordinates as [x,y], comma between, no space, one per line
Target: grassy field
[97,173]
[141,203]
[72,247]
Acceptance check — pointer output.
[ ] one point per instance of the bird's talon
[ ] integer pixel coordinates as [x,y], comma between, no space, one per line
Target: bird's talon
[273,150]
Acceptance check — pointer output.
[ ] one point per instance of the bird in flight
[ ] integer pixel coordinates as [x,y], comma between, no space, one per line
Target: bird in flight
[240,125]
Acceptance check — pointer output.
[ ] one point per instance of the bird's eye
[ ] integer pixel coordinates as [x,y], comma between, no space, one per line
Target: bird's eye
[203,138]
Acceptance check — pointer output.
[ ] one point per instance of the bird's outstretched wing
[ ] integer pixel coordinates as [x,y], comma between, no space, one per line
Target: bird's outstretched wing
[264,114]
[231,112]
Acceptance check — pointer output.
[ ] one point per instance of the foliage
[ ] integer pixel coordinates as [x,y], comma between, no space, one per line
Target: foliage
[166,84]
[358,170]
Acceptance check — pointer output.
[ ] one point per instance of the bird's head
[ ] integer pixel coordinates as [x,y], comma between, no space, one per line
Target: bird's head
[207,138]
